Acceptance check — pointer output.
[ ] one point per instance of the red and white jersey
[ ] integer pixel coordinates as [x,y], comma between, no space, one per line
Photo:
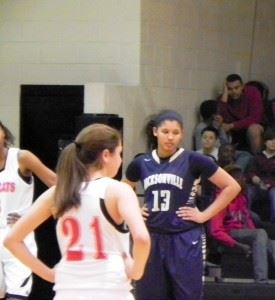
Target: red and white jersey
[16,195]
[91,244]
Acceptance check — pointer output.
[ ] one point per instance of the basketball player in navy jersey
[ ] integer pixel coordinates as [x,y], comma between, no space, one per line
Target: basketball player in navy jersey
[169,175]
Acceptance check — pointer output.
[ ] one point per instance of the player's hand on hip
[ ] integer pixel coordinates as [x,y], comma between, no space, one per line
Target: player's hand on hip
[190,214]
[13,218]
[144,212]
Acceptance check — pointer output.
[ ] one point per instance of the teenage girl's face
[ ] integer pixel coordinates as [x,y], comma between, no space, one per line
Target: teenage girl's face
[115,161]
[169,135]
[208,140]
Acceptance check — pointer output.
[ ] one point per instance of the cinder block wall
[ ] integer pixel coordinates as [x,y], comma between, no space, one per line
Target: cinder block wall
[150,54]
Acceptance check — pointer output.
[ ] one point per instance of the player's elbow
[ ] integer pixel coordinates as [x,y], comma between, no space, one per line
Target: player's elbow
[8,242]
[237,188]
[52,180]
[143,240]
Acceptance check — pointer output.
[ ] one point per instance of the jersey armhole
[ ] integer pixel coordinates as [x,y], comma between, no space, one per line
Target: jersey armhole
[26,179]
[123,228]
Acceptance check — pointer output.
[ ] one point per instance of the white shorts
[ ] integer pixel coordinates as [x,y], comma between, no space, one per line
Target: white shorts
[15,278]
[93,294]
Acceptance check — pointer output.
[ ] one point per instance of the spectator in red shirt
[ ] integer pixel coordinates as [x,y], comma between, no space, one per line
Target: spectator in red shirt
[240,113]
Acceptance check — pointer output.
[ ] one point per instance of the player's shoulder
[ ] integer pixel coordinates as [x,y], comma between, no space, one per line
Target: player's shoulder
[196,156]
[13,151]
[24,154]
[141,158]
[115,184]
[13,154]
[116,187]
[190,154]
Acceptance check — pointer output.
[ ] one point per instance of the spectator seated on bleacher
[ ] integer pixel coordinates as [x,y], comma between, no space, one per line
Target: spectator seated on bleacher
[207,111]
[269,104]
[228,154]
[241,113]
[209,141]
[234,228]
[261,178]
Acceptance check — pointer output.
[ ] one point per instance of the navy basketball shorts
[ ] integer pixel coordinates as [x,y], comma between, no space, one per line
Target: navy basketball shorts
[175,267]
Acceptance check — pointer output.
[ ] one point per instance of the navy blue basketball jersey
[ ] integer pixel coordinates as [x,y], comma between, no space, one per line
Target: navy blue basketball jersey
[169,185]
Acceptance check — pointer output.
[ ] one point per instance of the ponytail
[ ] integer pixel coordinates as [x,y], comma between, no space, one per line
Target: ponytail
[74,160]
[71,172]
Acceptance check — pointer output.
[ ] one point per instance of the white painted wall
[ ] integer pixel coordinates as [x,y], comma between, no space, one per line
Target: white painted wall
[263,56]
[136,56]
[187,49]
[65,42]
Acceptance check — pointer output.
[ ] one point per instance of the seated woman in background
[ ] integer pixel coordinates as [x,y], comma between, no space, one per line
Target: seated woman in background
[234,227]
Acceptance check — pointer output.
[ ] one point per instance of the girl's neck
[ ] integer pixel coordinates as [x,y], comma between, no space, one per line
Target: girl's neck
[165,155]
[96,173]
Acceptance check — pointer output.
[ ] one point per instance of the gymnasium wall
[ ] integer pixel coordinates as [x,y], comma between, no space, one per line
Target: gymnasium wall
[143,55]
[263,50]
[65,42]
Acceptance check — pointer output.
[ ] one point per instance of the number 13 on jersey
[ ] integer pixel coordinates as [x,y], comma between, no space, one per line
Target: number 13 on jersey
[161,200]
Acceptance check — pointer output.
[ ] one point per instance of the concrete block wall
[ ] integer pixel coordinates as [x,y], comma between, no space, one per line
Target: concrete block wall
[187,49]
[146,54]
[263,56]
[65,42]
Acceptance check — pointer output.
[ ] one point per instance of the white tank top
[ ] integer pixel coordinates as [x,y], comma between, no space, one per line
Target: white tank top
[91,246]
[16,195]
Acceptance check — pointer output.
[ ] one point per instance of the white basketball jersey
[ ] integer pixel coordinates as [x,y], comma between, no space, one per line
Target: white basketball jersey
[91,244]
[16,195]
